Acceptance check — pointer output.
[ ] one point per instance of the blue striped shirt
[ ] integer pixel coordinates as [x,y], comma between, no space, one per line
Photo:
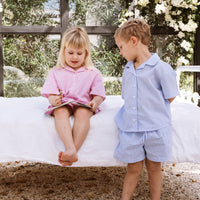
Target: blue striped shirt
[146,91]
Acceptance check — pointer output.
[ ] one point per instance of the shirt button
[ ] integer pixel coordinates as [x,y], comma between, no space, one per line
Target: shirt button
[134,97]
[134,108]
[134,120]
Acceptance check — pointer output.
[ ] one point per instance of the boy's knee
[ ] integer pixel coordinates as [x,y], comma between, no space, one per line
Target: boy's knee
[135,168]
[153,166]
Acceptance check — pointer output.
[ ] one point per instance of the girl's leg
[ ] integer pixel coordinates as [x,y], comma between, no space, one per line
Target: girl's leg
[155,179]
[81,125]
[64,130]
[131,179]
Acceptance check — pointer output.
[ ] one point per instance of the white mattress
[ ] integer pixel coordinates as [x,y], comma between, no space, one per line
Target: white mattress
[26,133]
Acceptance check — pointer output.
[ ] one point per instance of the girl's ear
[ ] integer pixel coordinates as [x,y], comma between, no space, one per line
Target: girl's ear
[134,40]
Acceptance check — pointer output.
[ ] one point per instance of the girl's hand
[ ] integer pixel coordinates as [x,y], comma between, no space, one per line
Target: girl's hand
[96,101]
[55,100]
[94,106]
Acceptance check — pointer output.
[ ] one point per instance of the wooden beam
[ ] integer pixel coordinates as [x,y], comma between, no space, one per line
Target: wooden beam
[5,30]
[103,30]
[163,31]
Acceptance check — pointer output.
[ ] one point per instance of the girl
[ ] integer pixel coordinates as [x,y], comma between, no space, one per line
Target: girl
[74,78]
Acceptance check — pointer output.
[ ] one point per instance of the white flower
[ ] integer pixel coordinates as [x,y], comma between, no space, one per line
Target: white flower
[9,14]
[178,12]
[122,21]
[168,17]
[176,3]
[193,25]
[160,8]
[174,25]
[186,45]
[189,27]
[182,61]
[143,3]
[194,2]
[129,14]
[181,34]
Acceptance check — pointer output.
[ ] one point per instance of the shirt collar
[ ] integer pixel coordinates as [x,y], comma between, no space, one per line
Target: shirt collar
[81,69]
[151,61]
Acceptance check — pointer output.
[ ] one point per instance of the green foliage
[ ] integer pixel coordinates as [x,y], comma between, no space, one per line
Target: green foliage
[23,88]
[30,53]
[35,54]
[112,87]
[105,12]
[186,81]
[183,16]
[79,10]
[25,12]
[108,61]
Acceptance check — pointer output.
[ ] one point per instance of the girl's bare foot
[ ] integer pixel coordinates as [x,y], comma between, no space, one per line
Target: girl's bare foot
[67,158]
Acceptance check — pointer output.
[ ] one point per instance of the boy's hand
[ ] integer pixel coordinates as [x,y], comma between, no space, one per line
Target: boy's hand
[172,99]
[55,100]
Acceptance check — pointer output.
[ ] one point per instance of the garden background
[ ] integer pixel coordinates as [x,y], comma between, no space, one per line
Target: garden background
[27,58]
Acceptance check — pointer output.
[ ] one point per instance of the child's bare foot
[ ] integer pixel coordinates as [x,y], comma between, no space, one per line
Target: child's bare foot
[67,158]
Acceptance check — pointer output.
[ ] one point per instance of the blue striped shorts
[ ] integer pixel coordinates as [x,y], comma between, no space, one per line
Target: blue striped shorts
[136,146]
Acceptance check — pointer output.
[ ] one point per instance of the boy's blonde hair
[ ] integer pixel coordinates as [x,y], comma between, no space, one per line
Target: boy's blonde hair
[134,27]
[75,37]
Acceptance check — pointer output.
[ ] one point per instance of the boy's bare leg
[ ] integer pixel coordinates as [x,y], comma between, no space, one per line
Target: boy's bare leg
[131,179]
[155,178]
[81,125]
[64,130]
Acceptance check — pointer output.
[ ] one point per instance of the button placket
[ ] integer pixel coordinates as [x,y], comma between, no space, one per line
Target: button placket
[134,100]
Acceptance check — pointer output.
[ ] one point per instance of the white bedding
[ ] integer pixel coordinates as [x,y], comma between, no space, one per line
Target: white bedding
[26,133]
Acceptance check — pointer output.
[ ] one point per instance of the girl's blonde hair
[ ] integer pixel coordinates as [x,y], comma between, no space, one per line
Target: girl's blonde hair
[134,27]
[75,37]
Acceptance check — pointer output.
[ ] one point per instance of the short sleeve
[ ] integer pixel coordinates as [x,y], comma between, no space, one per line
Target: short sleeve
[169,82]
[50,85]
[97,87]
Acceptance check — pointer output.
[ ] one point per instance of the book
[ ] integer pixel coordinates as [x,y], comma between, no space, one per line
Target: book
[69,102]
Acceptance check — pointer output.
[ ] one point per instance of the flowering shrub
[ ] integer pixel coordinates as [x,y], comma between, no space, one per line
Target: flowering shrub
[182,15]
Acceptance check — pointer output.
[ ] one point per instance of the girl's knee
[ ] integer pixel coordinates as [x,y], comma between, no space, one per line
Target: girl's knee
[82,113]
[62,112]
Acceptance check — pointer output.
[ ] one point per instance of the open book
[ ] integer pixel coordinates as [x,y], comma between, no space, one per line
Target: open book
[69,102]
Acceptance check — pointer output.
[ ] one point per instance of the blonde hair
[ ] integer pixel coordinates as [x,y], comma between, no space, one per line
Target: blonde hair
[75,37]
[134,27]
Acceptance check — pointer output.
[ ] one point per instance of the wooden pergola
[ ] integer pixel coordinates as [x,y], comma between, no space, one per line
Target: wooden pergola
[102,30]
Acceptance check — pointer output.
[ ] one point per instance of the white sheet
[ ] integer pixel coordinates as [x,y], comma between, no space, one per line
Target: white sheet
[26,133]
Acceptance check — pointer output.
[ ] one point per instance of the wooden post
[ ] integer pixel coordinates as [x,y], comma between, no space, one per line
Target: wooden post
[197,61]
[64,12]
[1,52]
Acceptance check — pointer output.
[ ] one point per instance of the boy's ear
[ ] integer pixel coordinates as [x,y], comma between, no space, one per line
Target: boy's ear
[134,40]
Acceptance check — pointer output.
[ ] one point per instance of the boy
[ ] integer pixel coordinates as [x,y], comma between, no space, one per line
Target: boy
[148,87]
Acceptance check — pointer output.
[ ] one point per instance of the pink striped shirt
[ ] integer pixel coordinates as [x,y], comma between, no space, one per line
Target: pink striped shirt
[78,85]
